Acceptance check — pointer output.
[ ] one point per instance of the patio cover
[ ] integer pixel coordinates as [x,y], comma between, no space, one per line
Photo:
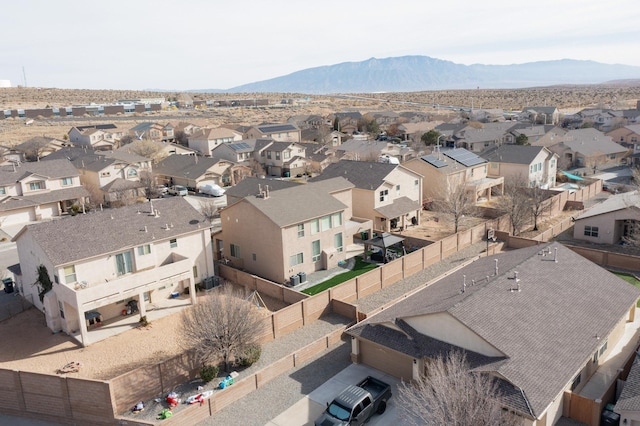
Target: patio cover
[385,240]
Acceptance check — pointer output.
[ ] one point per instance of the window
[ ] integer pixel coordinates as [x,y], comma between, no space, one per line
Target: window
[254,257]
[70,274]
[145,249]
[576,381]
[398,190]
[591,231]
[61,308]
[326,222]
[277,155]
[416,183]
[300,230]
[173,243]
[315,226]
[67,181]
[34,186]
[296,259]
[124,265]
[612,157]
[235,251]
[336,220]
[383,194]
[3,190]
[337,242]
[132,173]
[286,155]
[603,348]
[315,251]
[553,163]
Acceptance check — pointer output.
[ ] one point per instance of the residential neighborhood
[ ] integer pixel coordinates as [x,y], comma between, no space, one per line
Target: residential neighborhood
[378,239]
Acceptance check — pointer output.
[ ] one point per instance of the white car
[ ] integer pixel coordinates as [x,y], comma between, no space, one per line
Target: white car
[212,189]
[178,190]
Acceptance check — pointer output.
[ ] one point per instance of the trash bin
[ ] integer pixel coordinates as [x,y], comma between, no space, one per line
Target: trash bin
[287,174]
[609,418]
[303,276]
[8,285]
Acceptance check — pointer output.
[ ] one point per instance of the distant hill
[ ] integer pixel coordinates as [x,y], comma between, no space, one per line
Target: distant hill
[418,73]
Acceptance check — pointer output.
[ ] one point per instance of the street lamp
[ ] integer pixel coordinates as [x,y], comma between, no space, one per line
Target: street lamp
[438,141]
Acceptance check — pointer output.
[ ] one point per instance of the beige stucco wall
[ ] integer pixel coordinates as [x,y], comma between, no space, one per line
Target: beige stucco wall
[610,226]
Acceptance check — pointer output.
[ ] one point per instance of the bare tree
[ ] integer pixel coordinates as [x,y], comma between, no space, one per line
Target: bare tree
[146,148]
[456,204]
[209,210]
[539,205]
[224,325]
[451,394]
[516,204]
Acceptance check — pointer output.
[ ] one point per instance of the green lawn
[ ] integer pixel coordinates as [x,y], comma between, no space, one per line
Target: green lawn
[359,269]
[631,280]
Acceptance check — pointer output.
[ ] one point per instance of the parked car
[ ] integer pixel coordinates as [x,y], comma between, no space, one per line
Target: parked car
[357,403]
[212,189]
[178,190]
[161,190]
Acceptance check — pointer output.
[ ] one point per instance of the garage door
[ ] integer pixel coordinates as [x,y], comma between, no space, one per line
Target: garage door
[15,217]
[386,360]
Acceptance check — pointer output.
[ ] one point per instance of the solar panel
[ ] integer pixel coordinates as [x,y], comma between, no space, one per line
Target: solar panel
[240,146]
[464,157]
[435,162]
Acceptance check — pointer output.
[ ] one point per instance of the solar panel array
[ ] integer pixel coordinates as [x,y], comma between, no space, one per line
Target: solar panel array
[464,157]
[239,146]
[434,161]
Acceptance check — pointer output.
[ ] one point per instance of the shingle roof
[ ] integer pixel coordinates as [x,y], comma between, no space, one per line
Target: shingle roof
[299,203]
[613,203]
[560,309]
[84,236]
[52,169]
[364,175]
[179,165]
[591,142]
[514,154]
[629,399]
[17,202]
[249,186]
[81,158]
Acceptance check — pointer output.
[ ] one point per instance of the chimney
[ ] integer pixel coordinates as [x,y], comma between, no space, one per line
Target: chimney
[555,254]
[266,191]
[464,283]
[145,228]
[496,268]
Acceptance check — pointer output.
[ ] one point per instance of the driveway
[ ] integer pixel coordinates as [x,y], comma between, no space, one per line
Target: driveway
[309,408]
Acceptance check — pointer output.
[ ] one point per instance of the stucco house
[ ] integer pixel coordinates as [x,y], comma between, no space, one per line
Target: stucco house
[444,170]
[520,318]
[38,190]
[109,176]
[541,114]
[535,165]
[479,138]
[390,195]
[95,137]
[588,148]
[39,147]
[283,159]
[279,233]
[205,140]
[627,136]
[192,171]
[628,404]
[610,221]
[284,132]
[99,261]
[539,134]
[153,131]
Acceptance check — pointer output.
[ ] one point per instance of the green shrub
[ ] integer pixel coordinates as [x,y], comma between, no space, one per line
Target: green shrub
[250,356]
[143,321]
[208,373]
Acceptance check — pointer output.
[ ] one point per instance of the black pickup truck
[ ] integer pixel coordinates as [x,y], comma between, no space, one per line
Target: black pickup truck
[356,404]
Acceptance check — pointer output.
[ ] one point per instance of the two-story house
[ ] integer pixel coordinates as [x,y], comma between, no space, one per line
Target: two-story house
[444,170]
[153,131]
[536,166]
[105,137]
[477,138]
[111,177]
[541,115]
[389,195]
[281,158]
[191,170]
[39,190]
[99,261]
[280,233]
[205,140]
[588,148]
[539,134]
[346,122]
[284,132]
[39,147]
[627,136]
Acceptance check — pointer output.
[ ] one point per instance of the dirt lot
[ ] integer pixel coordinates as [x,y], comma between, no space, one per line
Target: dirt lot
[28,345]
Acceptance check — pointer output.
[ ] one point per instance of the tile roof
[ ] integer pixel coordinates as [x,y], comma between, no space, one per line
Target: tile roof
[98,233]
[560,309]
[300,203]
[362,174]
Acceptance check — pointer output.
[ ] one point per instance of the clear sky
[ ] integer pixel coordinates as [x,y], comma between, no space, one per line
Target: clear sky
[219,44]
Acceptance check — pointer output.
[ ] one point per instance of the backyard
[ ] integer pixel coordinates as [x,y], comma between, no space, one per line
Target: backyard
[359,268]
[631,279]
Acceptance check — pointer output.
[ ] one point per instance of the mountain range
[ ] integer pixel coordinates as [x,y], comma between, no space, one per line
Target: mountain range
[420,73]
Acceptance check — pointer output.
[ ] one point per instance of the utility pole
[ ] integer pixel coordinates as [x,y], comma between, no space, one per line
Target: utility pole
[24,76]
